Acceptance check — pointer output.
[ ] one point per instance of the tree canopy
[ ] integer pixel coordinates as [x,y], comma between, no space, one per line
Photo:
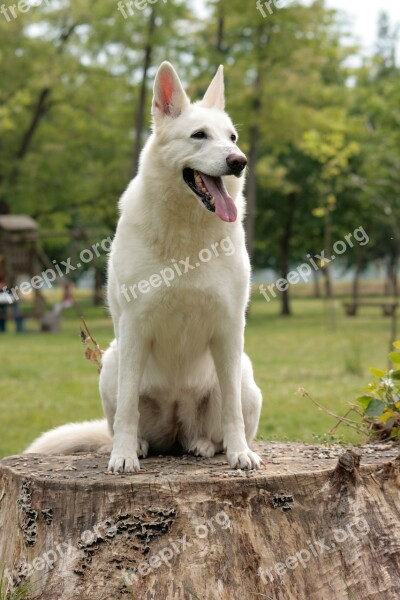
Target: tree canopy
[321,134]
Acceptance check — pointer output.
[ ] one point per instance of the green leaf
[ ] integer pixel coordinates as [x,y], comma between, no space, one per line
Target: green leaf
[375,408]
[377,372]
[395,357]
[386,416]
[318,212]
[371,387]
[396,345]
[364,401]
[395,375]
[395,432]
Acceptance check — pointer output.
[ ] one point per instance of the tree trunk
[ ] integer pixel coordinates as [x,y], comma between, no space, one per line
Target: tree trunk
[356,279]
[394,277]
[40,110]
[140,113]
[221,30]
[98,295]
[251,187]
[330,300]
[317,287]
[312,524]
[285,247]
[328,250]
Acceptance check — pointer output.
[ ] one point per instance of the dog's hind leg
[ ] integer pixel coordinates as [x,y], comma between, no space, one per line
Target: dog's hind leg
[204,447]
[251,399]
[108,391]
[108,384]
[202,428]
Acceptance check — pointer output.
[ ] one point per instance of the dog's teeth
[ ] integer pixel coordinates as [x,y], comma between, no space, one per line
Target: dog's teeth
[200,185]
[212,201]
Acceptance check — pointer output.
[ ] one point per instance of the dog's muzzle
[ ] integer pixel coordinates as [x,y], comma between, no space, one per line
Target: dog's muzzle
[236,163]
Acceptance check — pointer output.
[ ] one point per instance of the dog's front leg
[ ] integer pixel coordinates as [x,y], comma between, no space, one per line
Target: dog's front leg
[133,351]
[227,350]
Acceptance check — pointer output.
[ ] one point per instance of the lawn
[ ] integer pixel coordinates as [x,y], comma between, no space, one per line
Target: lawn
[45,381]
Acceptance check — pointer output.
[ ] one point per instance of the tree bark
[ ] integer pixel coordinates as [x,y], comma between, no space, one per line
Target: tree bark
[312,524]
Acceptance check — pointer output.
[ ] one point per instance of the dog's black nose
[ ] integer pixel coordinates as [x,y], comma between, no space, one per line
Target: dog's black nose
[236,163]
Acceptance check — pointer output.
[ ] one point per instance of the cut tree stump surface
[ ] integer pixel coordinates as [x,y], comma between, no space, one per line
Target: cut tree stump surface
[315,523]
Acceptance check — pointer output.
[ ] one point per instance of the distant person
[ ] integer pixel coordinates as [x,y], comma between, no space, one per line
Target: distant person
[68,300]
[6,300]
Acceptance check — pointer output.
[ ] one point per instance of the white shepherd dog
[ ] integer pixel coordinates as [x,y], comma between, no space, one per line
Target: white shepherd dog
[176,375]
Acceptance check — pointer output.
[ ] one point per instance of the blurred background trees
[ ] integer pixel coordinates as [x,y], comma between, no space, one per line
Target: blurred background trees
[320,128]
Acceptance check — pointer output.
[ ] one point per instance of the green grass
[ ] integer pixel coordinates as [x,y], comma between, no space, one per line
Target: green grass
[45,381]
[18,593]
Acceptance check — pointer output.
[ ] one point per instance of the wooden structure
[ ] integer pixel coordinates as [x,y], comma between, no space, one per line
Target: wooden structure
[388,308]
[19,236]
[315,523]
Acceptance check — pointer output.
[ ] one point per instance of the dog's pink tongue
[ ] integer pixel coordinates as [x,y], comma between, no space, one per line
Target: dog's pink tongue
[224,205]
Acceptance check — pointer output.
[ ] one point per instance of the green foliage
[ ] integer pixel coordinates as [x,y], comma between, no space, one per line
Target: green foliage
[380,405]
[327,145]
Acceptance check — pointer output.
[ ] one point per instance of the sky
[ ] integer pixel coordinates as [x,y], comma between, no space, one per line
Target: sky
[364,16]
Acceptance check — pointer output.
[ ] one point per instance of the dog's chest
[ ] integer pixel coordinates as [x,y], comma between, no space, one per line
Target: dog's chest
[181,328]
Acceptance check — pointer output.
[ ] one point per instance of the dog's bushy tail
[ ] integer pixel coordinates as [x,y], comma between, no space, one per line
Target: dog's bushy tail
[88,436]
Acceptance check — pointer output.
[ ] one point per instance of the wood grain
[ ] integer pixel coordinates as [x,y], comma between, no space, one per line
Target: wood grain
[314,523]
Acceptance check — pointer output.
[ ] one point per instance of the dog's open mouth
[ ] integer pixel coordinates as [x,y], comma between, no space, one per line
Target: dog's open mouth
[212,192]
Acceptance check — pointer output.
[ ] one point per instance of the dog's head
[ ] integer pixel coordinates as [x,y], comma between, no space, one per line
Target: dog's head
[198,142]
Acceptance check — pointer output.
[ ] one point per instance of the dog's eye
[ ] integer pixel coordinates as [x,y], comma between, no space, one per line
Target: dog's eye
[233,137]
[199,135]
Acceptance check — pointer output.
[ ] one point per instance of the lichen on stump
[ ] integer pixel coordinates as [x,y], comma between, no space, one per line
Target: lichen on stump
[314,523]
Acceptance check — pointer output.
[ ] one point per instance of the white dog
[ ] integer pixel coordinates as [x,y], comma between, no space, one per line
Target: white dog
[178,286]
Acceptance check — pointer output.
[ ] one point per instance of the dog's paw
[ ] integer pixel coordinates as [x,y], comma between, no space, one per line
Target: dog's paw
[204,447]
[123,464]
[244,460]
[142,448]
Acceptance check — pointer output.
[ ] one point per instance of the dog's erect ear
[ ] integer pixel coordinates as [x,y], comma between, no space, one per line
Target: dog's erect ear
[215,95]
[169,98]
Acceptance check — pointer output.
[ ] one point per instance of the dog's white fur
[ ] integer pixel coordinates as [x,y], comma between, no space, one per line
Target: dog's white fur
[176,371]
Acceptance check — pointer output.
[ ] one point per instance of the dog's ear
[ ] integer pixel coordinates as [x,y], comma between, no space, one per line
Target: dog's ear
[169,98]
[215,95]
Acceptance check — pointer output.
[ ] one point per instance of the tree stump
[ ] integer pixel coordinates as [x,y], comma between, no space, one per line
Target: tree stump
[314,523]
